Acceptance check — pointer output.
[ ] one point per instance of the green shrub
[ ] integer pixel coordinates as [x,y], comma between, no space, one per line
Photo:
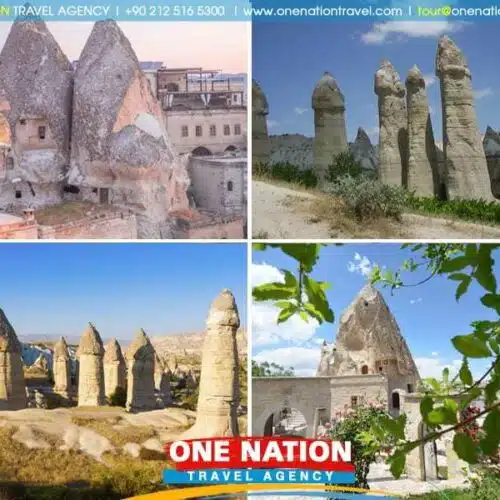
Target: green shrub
[486,486]
[473,210]
[368,199]
[287,172]
[119,397]
[344,164]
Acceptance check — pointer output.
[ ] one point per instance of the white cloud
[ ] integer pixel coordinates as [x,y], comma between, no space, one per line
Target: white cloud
[265,330]
[481,94]
[433,367]
[300,111]
[430,79]
[416,301]
[304,361]
[381,32]
[360,265]
[434,353]
[272,124]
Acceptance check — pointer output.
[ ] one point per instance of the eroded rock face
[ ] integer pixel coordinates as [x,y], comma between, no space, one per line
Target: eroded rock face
[260,136]
[491,145]
[329,124]
[369,342]
[114,368]
[90,355]
[218,397]
[364,152]
[62,369]
[393,138]
[119,137]
[465,161]
[140,369]
[422,156]
[37,82]
[12,384]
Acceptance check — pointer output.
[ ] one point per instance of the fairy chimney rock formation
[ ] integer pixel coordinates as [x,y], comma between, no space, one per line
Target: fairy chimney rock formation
[393,135]
[330,136]
[364,152]
[37,82]
[141,374]
[90,355]
[114,368]
[162,380]
[491,145]
[218,397]
[119,138]
[62,369]
[12,384]
[465,160]
[422,155]
[260,135]
[369,342]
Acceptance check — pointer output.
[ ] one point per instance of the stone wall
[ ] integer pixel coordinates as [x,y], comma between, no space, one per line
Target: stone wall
[305,394]
[493,162]
[232,229]
[113,226]
[219,184]
[363,387]
[24,230]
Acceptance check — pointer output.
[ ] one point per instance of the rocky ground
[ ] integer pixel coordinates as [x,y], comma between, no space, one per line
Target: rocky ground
[282,211]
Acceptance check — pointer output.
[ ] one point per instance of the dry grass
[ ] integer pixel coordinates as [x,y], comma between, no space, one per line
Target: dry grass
[69,474]
[327,208]
[71,212]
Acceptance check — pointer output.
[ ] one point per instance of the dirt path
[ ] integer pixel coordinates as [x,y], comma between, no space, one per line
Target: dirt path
[280,212]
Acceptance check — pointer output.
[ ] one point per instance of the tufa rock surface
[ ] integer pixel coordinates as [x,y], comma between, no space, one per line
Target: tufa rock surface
[91,372]
[369,342]
[393,138]
[12,384]
[329,124]
[491,145]
[260,136]
[114,368]
[465,160]
[423,177]
[37,81]
[119,137]
[140,374]
[218,397]
[62,369]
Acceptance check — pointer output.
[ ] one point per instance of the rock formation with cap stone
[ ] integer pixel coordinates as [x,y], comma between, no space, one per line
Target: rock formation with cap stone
[114,368]
[218,397]
[62,369]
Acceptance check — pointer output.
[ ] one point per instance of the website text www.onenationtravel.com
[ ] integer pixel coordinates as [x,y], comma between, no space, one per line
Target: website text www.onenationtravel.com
[387,12]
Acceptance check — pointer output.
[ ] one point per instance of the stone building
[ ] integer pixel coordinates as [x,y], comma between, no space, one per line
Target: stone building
[370,361]
[12,384]
[36,117]
[206,110]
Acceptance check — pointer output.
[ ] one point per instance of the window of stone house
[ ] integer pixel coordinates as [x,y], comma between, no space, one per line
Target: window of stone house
[22,122]
[380,369]
[410,388]
[19,194]
[230,185]
[184,131]
[227,130]
[104,196]
[213,130]
[354,401]
[10,162]
[364,370]
[237,129]
[199,131]
[41,132]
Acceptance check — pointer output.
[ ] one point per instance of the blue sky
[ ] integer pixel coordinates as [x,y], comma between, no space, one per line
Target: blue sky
[428,315]
[289,58]
[55,289]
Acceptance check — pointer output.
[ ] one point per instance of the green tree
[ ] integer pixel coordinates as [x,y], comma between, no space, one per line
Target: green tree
[266,369]
[444,406]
